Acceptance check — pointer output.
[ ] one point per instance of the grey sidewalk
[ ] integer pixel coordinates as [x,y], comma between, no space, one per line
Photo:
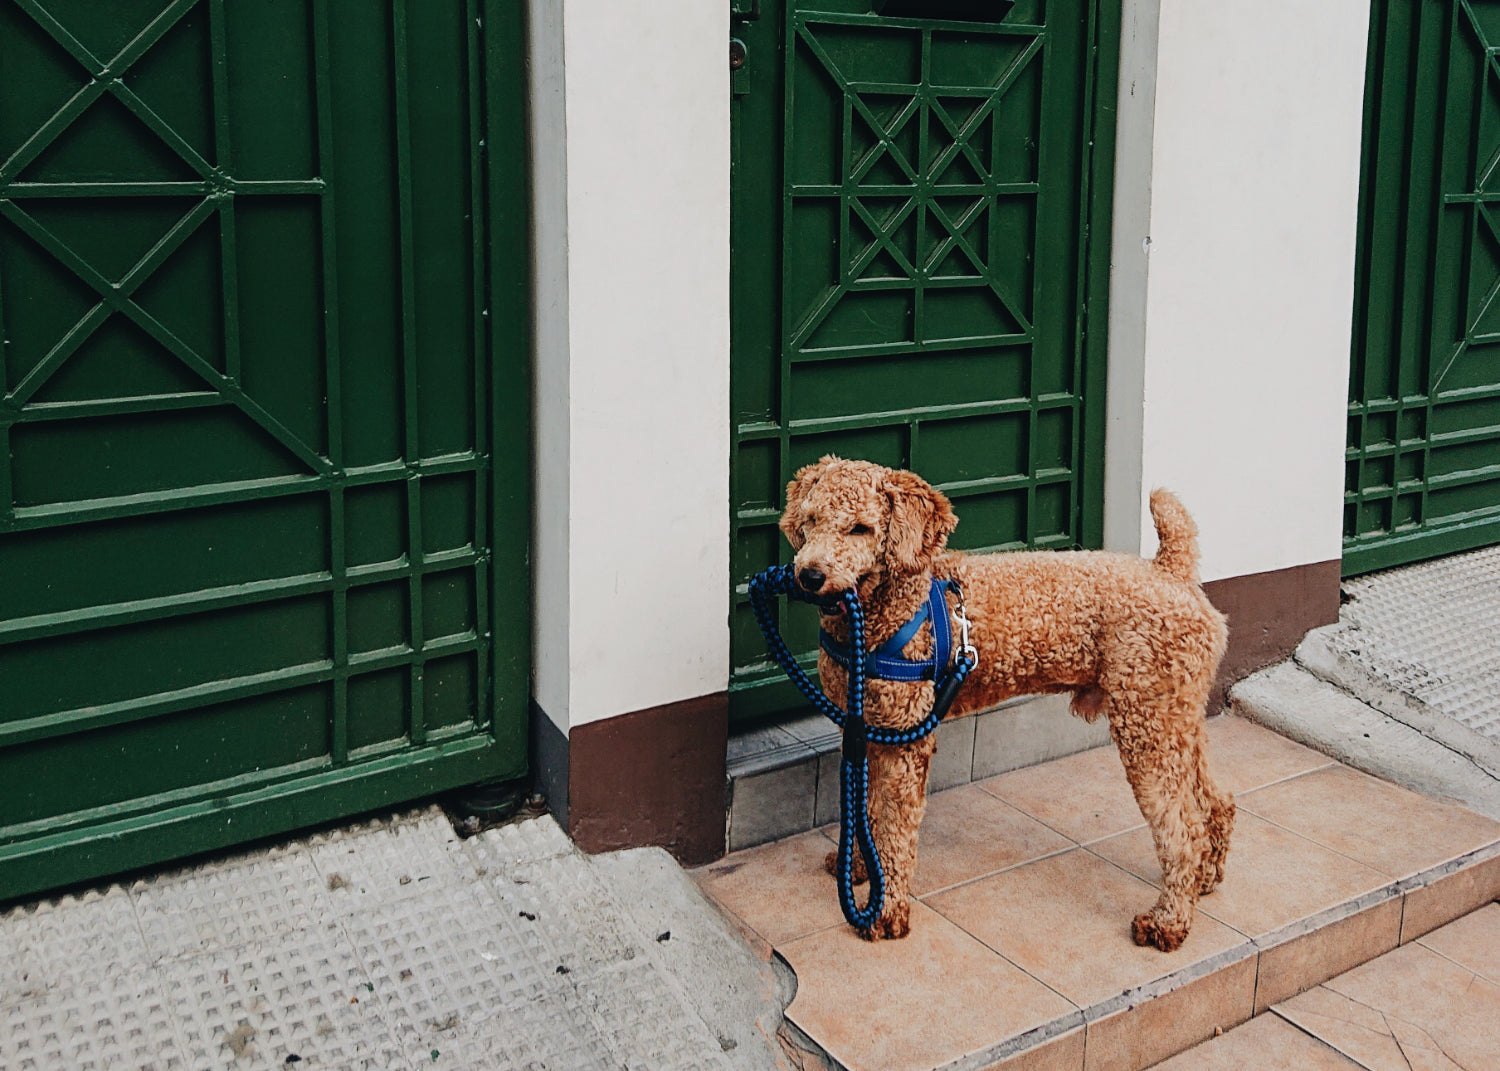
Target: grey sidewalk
[390,944]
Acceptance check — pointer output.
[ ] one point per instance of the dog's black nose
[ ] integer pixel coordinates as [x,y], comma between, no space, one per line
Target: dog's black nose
[811,581]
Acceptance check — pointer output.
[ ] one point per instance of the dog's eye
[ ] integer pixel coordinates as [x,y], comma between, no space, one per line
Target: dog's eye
[861,529]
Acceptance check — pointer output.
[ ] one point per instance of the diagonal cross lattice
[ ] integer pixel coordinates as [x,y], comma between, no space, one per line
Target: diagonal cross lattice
[924,105]
[116,297]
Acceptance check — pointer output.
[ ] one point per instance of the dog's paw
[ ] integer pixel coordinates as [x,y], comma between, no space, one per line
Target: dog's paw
[1147,929]
[890,927]
[831,864]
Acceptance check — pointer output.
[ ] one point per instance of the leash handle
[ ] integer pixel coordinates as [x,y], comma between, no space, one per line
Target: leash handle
[854,765]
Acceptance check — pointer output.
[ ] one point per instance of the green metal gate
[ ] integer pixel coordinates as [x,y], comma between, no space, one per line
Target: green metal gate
[920,266]
[1422,474]
[262,419]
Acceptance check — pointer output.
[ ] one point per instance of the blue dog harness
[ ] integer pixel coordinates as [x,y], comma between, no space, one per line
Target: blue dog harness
[854,766]
[888,662]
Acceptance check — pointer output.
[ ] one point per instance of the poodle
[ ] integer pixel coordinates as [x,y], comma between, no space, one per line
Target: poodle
[1134,640]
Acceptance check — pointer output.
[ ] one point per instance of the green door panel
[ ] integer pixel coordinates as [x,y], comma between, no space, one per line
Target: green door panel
[1422,464]
[262,429]
[920,266]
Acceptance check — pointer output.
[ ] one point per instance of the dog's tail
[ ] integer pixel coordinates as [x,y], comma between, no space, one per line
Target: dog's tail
[1178,535]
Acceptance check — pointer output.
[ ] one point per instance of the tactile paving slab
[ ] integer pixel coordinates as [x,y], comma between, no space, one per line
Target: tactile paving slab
[1432,632]
[389,944]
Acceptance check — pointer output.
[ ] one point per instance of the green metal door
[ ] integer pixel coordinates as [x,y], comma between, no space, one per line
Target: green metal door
[920,266]
[262,439]
[1422,474]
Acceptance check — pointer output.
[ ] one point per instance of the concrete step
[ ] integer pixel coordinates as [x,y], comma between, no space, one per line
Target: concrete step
[1020,953]
[1296,703]
[784,779]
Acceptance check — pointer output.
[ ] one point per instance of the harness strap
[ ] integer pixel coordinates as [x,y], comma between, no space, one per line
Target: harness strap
[887,663]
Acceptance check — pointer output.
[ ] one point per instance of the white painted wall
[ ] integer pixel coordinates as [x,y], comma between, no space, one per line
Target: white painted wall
[1254,190]
[632,415]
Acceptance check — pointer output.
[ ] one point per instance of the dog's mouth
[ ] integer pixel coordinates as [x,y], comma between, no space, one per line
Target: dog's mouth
[832,604]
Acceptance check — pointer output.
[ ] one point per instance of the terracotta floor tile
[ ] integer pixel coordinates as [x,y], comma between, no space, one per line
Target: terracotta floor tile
[1274,877]
[917,1003]
[1396,832]
[1472,941]
[1245,756]
[779,890]
[967,833]
[1409,1008]
[1066,920]
[1265,1043]
[1084,796]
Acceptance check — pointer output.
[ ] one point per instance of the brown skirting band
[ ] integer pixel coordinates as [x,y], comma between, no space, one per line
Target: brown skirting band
[1269,613]
[655,776]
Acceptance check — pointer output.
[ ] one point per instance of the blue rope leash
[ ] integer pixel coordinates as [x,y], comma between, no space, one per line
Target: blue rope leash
[854,765]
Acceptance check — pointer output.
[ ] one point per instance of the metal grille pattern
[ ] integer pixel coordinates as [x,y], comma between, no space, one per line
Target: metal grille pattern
[246,509]
[1423,454]
[933,263]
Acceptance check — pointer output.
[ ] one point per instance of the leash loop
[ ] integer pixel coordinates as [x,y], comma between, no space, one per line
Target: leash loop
[854,765]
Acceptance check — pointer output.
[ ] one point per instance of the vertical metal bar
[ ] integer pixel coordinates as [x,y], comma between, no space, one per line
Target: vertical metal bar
[484,714]
[1438,268]
[1042,188]
[510,297]
[337,556]
[417,729]
[1076,461]
[919,255]
[784,358]
[224,162]
[7,503]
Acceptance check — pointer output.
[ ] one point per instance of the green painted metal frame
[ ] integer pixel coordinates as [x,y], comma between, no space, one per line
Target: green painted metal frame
[762,289]
[59,848]
[1422,456]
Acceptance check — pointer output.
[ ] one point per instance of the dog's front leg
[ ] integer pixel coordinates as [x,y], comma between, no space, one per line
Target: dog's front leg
[898,799]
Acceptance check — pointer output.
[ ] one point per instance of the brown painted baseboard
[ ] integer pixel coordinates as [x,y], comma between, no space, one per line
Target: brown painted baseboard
[653,777]
[1269,613]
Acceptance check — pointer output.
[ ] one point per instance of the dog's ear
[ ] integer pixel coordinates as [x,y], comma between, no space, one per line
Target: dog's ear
[796,493]
[921,521]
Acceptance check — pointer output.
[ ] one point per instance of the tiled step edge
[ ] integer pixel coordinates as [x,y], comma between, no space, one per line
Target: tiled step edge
[1149,1023]
[784,779]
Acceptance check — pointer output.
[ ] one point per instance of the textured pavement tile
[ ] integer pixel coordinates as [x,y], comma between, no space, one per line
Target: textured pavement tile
[94,1018]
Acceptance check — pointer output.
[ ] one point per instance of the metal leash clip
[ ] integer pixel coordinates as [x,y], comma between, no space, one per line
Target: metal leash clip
[966,649]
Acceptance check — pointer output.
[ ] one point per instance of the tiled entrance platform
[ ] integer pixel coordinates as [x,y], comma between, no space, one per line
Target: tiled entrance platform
[1020,954]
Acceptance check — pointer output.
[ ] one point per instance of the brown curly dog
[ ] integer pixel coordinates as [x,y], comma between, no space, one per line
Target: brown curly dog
[1134,640]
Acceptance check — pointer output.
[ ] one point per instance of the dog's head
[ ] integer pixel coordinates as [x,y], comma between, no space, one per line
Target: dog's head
[853,523]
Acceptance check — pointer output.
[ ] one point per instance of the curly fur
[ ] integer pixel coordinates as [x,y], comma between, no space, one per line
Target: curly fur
[1134,640]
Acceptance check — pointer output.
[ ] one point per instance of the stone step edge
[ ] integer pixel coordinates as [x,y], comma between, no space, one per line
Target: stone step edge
[1444,892]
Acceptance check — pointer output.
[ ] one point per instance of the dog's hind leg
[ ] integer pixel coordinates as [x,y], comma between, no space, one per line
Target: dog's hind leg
[1218,809]
[1164,780]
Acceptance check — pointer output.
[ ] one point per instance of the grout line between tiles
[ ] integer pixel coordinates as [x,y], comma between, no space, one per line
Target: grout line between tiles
[1071,846]
[1283,780]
